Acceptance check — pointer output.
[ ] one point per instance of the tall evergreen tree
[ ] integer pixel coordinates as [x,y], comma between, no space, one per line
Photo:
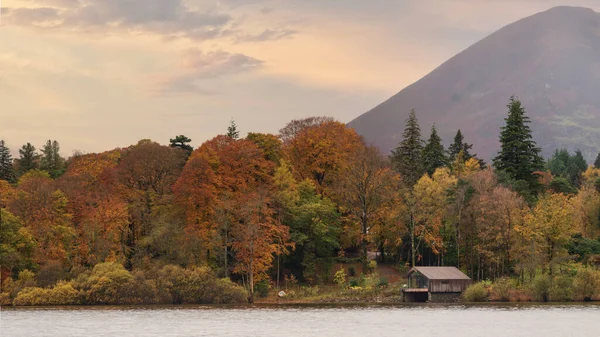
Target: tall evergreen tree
[434,155]
[407,157]
[459,145]
[51,161]
[232,131]
[6,163]
[519,156]
[28,159]
[597,162]
[181,142]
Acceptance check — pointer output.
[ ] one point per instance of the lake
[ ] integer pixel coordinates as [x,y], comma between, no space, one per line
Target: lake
[306,320]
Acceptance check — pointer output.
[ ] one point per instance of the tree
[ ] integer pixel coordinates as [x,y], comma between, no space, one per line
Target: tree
[597,162]
[321,152]
[434,155]
[16,244]
[270,144]
[368,192]
[29,159]
[313,220]
[51,161]
[181,142]
[551,223]
[459,145]
[6,163]
[407,157]
[567,166]
[232,131]
[519,157]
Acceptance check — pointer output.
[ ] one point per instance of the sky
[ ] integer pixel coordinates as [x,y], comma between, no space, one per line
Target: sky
[101,74]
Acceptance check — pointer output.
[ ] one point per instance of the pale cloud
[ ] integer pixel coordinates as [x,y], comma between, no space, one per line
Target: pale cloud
[198,66]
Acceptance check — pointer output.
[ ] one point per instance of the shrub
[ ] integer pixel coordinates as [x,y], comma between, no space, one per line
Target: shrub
[340,277]
[501,289]
[32,296]
[105,284]
[262,288]
[540,288]
[354,283]
[586,283]
[228,292]
[383,282]
[477,292]
[562,289]
[5,299]
[351,271]
[63,293]
[139,290]
[372,266]
[26,279]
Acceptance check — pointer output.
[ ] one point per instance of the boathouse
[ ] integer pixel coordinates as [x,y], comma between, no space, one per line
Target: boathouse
[435,284]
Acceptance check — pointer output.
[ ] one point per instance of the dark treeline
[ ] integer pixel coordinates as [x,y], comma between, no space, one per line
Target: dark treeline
[274,208]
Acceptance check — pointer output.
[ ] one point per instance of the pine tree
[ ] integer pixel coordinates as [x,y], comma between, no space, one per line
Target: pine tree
[181,142]
[597,162]
[6,163]
[51,161]
[519,156]
[434,155]
[28,159]
[407,157]
[232,131]
[457,146]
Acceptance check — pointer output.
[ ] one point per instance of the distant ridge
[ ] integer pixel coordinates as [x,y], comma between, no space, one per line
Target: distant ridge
[550,61]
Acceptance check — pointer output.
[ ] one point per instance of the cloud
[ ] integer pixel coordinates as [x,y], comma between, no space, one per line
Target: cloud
[198,66]
[266,35]
[164,17]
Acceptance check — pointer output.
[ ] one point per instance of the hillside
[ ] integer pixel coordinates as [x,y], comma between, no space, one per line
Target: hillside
[550,61]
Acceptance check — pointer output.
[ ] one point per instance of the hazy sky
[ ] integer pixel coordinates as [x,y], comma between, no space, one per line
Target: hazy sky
[100,74]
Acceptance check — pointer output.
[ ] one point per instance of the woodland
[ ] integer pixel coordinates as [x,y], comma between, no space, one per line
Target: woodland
[237,217]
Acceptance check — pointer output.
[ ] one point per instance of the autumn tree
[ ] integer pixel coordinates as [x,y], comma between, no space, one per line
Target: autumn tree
[407,157]
[6,164]
[50,160]
[427,211]
[256,238]
[519,157]
[320,152]
[147,172]
[293,128]
[16,244]
[368,192]
[434,155]
[551,224]
[212,187]
[29,159]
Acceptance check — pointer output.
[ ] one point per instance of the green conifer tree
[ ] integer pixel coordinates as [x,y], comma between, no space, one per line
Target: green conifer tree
[51,161]
[407,157]
[232,131]
[434,155]
[6,163]
[519,156]
[597,162]
[28,160]
[181,142]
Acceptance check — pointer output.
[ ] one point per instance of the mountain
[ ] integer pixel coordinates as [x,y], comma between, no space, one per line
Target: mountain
[550,61]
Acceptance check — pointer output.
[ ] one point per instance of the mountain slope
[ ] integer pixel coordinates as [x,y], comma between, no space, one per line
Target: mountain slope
[550,61]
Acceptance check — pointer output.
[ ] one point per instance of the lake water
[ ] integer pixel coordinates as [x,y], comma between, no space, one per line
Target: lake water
[306,320]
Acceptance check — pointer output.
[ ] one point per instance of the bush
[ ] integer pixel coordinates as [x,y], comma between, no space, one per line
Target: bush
[562,289]
[501,289]
[5,299]
[540,288]
[105,284]
[354,283]
[477,292]
[352,271]
[383,282]
[586,283]
[340,277]
[139,290]
[262,288]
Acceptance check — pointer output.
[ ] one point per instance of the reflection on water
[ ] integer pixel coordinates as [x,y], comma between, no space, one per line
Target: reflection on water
[307,320]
